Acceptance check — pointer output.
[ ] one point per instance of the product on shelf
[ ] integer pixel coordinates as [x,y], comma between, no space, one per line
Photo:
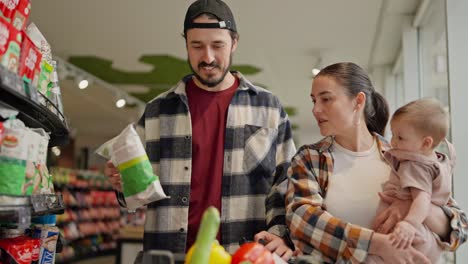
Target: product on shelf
[26,188]
[30,61]
[32,176]
[48,236]
[10,46]
[13,155]
[2,130]
[47,66]
[16,12]
[23,157]
[140,185]
[16,247]
[55,92]
[46,184]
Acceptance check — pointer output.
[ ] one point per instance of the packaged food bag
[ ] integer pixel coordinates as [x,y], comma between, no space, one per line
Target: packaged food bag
[48,236]
[13,155]
[30,61]
[32,177]
[46,185]
[1,134]
[16,12]
[46,68]
[10,46]
[21,14]
[140,185]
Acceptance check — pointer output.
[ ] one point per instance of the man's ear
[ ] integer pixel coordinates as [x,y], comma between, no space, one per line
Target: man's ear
[234,44]
[427,142]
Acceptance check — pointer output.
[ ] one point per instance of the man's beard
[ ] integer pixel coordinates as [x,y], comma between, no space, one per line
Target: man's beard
[211,83]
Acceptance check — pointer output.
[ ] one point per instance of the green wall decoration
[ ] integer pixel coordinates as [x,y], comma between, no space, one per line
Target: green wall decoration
[167,71]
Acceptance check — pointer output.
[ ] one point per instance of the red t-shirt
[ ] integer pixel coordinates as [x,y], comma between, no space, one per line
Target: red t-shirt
[208,111]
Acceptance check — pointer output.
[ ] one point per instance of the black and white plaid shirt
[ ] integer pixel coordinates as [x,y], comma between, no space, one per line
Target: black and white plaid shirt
[257,154]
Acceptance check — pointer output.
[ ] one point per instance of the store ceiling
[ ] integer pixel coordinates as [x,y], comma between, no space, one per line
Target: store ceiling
[283,39]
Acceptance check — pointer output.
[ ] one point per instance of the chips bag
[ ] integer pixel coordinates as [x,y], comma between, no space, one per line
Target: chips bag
[140,185]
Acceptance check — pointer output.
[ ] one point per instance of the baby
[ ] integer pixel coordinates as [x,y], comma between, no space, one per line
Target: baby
[419,172]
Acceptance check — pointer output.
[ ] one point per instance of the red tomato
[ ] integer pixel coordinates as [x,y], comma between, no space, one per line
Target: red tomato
[252,252]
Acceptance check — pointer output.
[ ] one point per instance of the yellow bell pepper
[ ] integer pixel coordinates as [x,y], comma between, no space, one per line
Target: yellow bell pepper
[206,248]
[218,255]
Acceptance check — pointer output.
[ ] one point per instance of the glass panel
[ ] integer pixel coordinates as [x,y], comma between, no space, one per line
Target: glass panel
[434,76]
[433,51]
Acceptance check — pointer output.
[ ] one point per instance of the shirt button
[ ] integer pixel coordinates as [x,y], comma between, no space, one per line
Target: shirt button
[186,167]
[184,199]
[181,230]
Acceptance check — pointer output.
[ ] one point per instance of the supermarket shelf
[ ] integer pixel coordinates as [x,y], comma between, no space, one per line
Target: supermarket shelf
[62,187]
[91,206]
[90,255]
[93,220]
[73,240]
[30,112]
[19,209]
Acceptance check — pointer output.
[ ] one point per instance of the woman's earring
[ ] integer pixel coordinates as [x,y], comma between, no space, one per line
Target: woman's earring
[356,117]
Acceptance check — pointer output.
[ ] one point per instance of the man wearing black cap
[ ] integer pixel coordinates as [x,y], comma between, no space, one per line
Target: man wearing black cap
[215,139]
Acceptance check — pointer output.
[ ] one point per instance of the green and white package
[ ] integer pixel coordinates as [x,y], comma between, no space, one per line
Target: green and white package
[32,180]
[46,185]
[140,185]
[13,155]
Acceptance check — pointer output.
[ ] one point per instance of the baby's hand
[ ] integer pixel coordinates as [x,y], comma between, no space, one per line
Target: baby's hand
[403,235]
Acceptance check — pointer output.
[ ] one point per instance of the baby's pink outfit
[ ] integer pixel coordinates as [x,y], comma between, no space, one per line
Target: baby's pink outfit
[432,175]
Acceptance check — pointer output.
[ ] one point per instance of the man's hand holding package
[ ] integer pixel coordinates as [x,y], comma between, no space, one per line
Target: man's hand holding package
[114,176]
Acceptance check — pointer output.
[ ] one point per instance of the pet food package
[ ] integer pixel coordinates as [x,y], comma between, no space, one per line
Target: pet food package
[140,185]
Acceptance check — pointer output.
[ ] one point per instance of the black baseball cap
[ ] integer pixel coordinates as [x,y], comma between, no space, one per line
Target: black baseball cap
[215,7]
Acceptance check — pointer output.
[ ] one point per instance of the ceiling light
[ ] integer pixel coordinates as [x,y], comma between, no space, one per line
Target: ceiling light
[315,71]
[83,84]
[120,103]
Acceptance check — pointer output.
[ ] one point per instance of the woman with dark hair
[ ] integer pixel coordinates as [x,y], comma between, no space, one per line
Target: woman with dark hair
[333,187]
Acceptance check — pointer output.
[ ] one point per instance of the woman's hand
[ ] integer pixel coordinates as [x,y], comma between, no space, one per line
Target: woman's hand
[386,220]
[382,246]
[403,235]
[275,244]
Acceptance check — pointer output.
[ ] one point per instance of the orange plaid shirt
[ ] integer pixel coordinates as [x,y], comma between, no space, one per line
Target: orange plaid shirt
[328,239]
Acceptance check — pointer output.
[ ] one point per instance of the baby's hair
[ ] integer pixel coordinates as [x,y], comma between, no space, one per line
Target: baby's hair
[427,116]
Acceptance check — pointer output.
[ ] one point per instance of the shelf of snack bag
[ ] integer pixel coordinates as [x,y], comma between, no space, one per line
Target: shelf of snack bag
[28,75]
[31,121]
[92,217]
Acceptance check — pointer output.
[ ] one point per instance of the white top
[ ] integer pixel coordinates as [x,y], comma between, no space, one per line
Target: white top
[353,186]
